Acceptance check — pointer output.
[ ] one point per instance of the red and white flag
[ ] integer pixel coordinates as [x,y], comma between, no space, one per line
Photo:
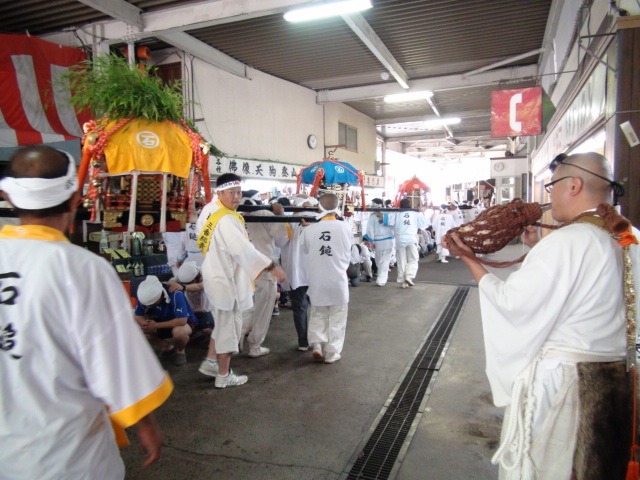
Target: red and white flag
[34,107]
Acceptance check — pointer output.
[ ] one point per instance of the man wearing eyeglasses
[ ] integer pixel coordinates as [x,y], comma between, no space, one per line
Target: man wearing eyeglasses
[549,325]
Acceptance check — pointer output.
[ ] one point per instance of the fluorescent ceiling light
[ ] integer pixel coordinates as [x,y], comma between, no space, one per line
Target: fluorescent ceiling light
[409,96]
[440,122]
[325,10]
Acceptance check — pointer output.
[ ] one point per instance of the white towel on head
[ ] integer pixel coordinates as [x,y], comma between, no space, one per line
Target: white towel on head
[188,271]
[150,291]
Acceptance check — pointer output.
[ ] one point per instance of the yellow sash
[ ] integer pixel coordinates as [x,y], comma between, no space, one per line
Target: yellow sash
[207,232]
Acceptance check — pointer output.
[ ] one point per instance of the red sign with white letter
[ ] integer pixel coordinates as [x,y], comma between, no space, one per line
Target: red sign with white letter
[516,112]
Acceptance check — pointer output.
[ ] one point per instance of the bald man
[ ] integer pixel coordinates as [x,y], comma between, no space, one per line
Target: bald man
[71,356]
[555,323]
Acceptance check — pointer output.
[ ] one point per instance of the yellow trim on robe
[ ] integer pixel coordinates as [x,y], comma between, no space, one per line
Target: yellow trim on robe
[289,231]
[328,217]
[130,415]
[33,232]
[207,231]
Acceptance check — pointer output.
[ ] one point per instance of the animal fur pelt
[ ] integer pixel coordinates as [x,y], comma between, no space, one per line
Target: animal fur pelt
[604,430]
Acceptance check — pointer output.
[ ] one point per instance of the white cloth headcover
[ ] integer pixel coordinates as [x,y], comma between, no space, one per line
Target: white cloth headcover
[299,201]
[324,213]
[188,271]
[150,291]
[39,193]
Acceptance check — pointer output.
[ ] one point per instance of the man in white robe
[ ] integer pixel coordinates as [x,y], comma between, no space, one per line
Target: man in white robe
[442,223]
[231,263]
[295,266]
[379,238]
[405,229]
[75,369]
[456,214]
[564,306]
[327,245]
[256,320]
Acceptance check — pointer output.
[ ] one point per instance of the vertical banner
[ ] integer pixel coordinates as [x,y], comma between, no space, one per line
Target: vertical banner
[516,112]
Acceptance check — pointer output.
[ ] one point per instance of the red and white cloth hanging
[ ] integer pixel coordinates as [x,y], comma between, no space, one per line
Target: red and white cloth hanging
[34,107]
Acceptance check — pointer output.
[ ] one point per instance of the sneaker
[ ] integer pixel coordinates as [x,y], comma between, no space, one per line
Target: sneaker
[444,261]
[231,380]
[409,282]
[303,349]
[369,279]
[209,367]
[180,359]
[332,358]
[380,284]
[317,352]
[276,311]
[258,352]
[404,285]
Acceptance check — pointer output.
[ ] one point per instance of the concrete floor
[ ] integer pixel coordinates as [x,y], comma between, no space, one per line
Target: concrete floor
[301,420]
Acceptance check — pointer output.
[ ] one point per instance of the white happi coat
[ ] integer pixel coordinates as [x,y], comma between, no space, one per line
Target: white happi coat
[69,347]
[327,245]
[567,295]
[293,258]
[231,263]
[380,234]
[264,235]
[442,223]
[188,250]
[405,226]
[458,217]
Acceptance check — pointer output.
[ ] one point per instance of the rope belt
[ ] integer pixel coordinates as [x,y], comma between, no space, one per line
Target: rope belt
[513,453]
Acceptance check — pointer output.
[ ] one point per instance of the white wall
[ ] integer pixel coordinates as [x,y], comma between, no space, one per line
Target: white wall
[365,157]
[263,118]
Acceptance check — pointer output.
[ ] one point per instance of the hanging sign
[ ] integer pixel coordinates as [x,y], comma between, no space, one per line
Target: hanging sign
[516,112]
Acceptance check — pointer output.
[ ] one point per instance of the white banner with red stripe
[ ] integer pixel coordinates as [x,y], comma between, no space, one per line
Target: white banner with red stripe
[34,105]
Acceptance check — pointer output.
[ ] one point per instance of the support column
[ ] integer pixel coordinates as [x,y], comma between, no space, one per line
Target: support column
[627,158]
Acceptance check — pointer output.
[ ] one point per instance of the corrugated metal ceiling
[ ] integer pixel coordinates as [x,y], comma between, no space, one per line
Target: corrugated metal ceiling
[428,38]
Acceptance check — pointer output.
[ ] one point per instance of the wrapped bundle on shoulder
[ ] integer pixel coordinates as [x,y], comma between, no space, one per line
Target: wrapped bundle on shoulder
[495,227]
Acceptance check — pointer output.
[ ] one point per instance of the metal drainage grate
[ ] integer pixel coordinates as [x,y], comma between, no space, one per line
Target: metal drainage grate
[379,455]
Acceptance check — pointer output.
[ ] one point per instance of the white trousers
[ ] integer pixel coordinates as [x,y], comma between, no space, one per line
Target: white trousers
[228,328]
[327,325]
[443,253]
[256,321]
[366,266]
[383,257]
[407,262]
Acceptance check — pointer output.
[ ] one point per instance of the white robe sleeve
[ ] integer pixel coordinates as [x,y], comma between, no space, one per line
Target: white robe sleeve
[235,242]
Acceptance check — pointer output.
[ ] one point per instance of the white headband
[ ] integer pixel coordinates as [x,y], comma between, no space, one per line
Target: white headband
[324,213]
[39,193]
[228,185]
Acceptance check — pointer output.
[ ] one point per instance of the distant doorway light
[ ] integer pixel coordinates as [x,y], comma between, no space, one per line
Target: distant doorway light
[408,97]
[324,10]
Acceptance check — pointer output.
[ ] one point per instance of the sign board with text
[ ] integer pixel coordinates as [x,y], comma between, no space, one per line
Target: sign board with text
[267,170]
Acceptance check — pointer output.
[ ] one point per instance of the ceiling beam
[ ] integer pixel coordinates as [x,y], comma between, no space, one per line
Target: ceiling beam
[440,136]
[183,18]
[365,33]
[204,52]
[425,118]
[118,9]
[506,61]
[446,82]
